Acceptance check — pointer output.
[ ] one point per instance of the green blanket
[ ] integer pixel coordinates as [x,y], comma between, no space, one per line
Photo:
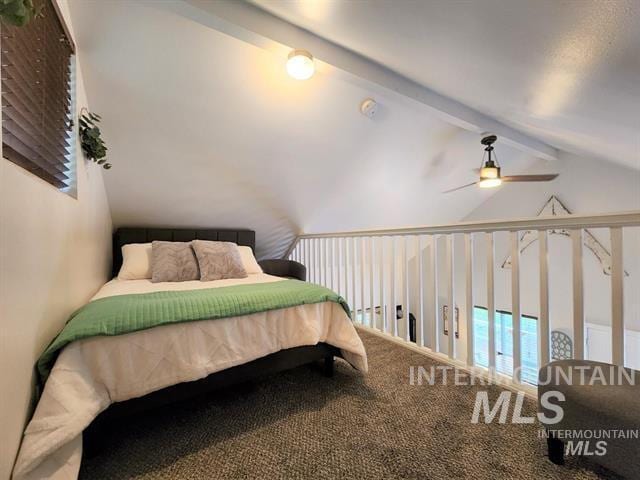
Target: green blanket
[129,313]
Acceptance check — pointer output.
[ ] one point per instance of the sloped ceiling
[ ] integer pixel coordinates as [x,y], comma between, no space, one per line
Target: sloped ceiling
[567,72]
[206,130]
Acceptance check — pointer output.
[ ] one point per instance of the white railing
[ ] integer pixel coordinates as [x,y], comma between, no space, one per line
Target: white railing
[399,281]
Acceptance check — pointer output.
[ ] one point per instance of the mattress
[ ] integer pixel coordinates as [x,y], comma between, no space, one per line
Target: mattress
[92,373]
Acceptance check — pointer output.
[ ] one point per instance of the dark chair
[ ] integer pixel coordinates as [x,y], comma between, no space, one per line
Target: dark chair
[284,268]
[598,397]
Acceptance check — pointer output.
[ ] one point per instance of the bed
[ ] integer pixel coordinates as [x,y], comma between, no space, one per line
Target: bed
[121,372]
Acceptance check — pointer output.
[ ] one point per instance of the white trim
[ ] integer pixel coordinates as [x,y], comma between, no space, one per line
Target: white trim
[543,317]
[468,247]
[620,219]
[515,307]
[617,297]
[578,294]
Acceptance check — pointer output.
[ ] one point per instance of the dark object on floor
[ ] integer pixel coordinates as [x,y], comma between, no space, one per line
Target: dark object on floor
[555,449]
[298,425]
[412,328]
[598,397]
[284,268]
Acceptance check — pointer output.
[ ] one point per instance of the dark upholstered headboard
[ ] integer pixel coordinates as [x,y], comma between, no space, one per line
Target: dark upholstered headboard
[122,236]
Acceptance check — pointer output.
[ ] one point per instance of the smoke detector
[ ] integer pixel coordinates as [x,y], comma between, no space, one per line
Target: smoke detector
[369,107]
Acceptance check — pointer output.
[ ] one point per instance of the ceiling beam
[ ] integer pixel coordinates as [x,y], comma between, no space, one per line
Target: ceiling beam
[251,24]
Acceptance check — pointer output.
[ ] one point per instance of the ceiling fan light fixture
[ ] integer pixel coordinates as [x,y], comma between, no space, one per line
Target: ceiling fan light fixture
[490,176]
[487,173]
[300,65]
[490,182]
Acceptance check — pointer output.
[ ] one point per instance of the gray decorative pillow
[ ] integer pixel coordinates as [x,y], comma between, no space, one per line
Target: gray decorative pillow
[173,262]
[218,260]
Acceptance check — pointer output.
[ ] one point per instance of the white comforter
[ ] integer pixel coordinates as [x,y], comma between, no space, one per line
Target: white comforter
[91,374]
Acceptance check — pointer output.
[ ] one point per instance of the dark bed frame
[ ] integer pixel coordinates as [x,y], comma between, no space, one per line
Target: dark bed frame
[273,363]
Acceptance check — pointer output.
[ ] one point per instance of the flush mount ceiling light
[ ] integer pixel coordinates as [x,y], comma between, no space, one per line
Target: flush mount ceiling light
[300,64]
[490,170]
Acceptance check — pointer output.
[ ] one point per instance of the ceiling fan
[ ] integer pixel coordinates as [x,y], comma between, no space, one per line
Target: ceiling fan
[490,170]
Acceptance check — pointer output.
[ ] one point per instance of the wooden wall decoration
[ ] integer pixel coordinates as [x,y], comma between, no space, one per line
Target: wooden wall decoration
[555,208]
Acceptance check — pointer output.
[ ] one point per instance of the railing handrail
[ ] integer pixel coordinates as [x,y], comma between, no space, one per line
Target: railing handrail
[605,220]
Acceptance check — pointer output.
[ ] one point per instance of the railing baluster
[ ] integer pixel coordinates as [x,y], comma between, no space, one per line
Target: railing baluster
[306,258]
[383,306]
[468,248]
[617,297]
[326,262]
[353,276]
[310,273]
[392,313]
[417,290]
[451,347]
[362,259]
[345,256]
[420,286]
[407,301]
[372,310]
[335,276]
[312,260]
[312,255]
[543,323]
[515,305]
[491,307]
[330,257]
[319,260]
[578,295]
[435,308]
[339,265]
[347,275]
[319,264]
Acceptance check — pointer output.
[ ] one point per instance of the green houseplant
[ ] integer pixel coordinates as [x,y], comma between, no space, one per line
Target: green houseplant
[91,142]
[17,12]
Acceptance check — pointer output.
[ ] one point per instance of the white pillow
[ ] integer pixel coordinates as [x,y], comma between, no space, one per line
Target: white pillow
[136,261]
[249,262]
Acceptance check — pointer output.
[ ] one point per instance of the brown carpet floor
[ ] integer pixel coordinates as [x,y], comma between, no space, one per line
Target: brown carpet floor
[301,425]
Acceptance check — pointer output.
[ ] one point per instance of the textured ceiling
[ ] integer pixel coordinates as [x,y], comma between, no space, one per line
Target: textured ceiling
[206,130]
[567,72]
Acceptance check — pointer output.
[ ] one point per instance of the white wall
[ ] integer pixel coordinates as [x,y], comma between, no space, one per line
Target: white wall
[54,254]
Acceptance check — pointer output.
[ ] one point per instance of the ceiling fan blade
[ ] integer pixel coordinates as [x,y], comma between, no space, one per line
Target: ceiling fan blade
[530,178]
[460,188]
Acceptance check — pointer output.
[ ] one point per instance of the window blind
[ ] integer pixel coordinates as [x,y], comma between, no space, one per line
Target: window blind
[37,95]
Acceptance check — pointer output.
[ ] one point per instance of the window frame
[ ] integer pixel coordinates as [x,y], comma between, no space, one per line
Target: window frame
[502,312]
[65,163]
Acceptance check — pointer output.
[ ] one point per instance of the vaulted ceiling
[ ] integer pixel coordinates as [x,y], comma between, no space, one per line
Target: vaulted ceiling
[567,72]
[205,129]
